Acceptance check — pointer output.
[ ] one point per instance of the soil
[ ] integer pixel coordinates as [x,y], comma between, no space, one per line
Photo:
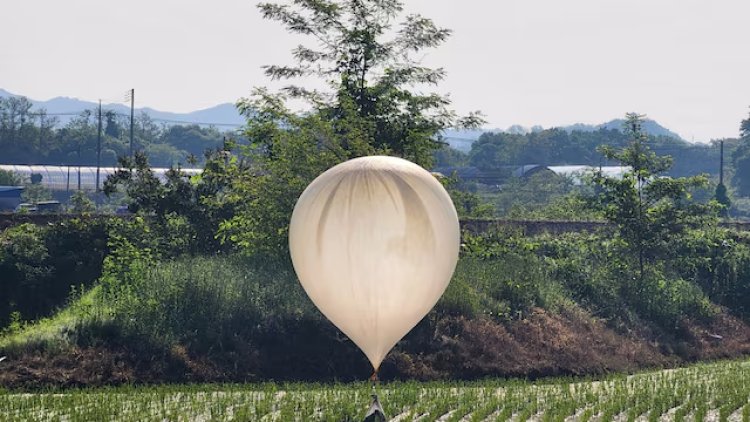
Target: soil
[539,345]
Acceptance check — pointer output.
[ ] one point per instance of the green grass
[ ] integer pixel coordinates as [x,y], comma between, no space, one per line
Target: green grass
[56,331]
[688,393]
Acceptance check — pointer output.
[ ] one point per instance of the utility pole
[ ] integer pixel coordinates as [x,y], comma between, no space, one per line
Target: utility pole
[99,147]
[721,163]
[132,105]
[41,131]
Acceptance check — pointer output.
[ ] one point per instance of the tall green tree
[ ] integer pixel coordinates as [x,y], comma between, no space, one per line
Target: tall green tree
[371,68]
[741,160]
[373,104]
[9,178]
[650,210]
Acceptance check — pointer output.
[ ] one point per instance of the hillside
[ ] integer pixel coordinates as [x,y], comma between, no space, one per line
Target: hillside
[223,115]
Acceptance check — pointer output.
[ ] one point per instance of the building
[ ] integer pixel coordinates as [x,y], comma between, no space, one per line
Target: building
[575,172]
[10,197]
[69,178]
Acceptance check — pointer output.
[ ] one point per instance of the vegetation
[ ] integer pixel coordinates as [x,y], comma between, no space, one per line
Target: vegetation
[717,391]
[372,106]
[8,178]
[650,211]
[499,154]
[28,136]
[196,284]
[40,265]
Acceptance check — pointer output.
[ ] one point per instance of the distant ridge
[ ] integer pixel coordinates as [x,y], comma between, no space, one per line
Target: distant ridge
[462,139]
[223,115]
[226,116]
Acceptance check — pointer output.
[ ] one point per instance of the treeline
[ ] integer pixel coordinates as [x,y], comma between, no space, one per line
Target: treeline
[499,153]
[35,137]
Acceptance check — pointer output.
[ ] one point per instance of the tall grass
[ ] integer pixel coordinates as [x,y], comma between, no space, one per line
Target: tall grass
[208,302]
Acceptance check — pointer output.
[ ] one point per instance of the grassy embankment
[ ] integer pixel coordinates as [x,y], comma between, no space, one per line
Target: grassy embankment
[519,307]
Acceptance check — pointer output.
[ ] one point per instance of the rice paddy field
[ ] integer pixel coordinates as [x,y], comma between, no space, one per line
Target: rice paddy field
[705,392]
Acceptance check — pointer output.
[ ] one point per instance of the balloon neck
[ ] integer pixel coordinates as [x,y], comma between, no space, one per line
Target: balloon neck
[374,377]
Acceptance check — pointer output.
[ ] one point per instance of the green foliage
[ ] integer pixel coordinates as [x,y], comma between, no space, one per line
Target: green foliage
[586,269]
[446,156]
[722,198]
[525,195]
[40,264]
[741,160]
[8,178]
[649,211]
[28,136]
[370,71]
[718,260]
[206,303]
[654,395]
[569,207]
[80,203]
[501,152]
[282,162]
[468,204]
[372,107]
[198,203]
[34,192]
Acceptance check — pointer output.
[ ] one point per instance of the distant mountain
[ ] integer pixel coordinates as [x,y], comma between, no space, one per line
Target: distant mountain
[649,126]
[462,139]
[223,115]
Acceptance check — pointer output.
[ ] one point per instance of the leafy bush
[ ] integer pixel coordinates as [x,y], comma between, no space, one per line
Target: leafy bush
[40,264]
[718,261]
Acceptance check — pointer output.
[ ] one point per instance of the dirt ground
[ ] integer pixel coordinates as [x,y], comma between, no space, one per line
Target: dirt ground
[539,345]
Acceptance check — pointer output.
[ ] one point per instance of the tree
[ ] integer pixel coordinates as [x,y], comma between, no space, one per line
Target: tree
[745,128]
[371,107]
[195,203]
[80,203]
[741,160]
[34,191]
[193,139]
[112,127]
[8,178]
[370,74]
[722,197]
[78,139]
[649,210]
[15,117]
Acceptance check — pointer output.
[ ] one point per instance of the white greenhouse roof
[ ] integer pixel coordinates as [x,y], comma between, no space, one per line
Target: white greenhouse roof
[576,172]
[75,177]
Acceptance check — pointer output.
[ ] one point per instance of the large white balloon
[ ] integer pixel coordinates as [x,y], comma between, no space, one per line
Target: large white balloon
[374,242]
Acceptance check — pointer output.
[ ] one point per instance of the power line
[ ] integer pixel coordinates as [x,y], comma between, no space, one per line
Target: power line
[156,119]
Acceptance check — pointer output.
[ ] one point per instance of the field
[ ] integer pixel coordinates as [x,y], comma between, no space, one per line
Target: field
[713,392]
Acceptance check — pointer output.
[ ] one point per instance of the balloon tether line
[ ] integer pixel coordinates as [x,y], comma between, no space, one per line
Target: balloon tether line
[375,381]
[375,413]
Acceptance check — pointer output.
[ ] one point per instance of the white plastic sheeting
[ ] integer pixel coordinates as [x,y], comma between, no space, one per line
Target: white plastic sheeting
[374,242]
[576,173]
[74,177]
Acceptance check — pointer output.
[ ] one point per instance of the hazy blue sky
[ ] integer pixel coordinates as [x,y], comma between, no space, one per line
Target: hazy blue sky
[685,63]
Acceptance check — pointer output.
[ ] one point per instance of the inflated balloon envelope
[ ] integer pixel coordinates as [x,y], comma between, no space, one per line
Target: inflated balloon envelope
[374,242]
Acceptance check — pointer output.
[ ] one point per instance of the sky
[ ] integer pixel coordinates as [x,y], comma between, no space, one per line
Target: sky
[684,63]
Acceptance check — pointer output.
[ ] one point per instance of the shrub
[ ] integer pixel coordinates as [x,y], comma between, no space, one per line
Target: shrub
[206,303]
[40,264]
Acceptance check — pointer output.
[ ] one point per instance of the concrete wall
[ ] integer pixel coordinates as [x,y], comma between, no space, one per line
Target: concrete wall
[528,227]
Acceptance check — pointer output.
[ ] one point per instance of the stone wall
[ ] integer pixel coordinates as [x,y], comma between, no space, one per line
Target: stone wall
[527,227]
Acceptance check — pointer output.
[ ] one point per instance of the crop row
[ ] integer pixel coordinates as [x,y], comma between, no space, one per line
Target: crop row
[718,391]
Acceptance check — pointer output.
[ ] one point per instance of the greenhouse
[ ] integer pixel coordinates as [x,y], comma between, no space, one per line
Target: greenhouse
[67,178]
